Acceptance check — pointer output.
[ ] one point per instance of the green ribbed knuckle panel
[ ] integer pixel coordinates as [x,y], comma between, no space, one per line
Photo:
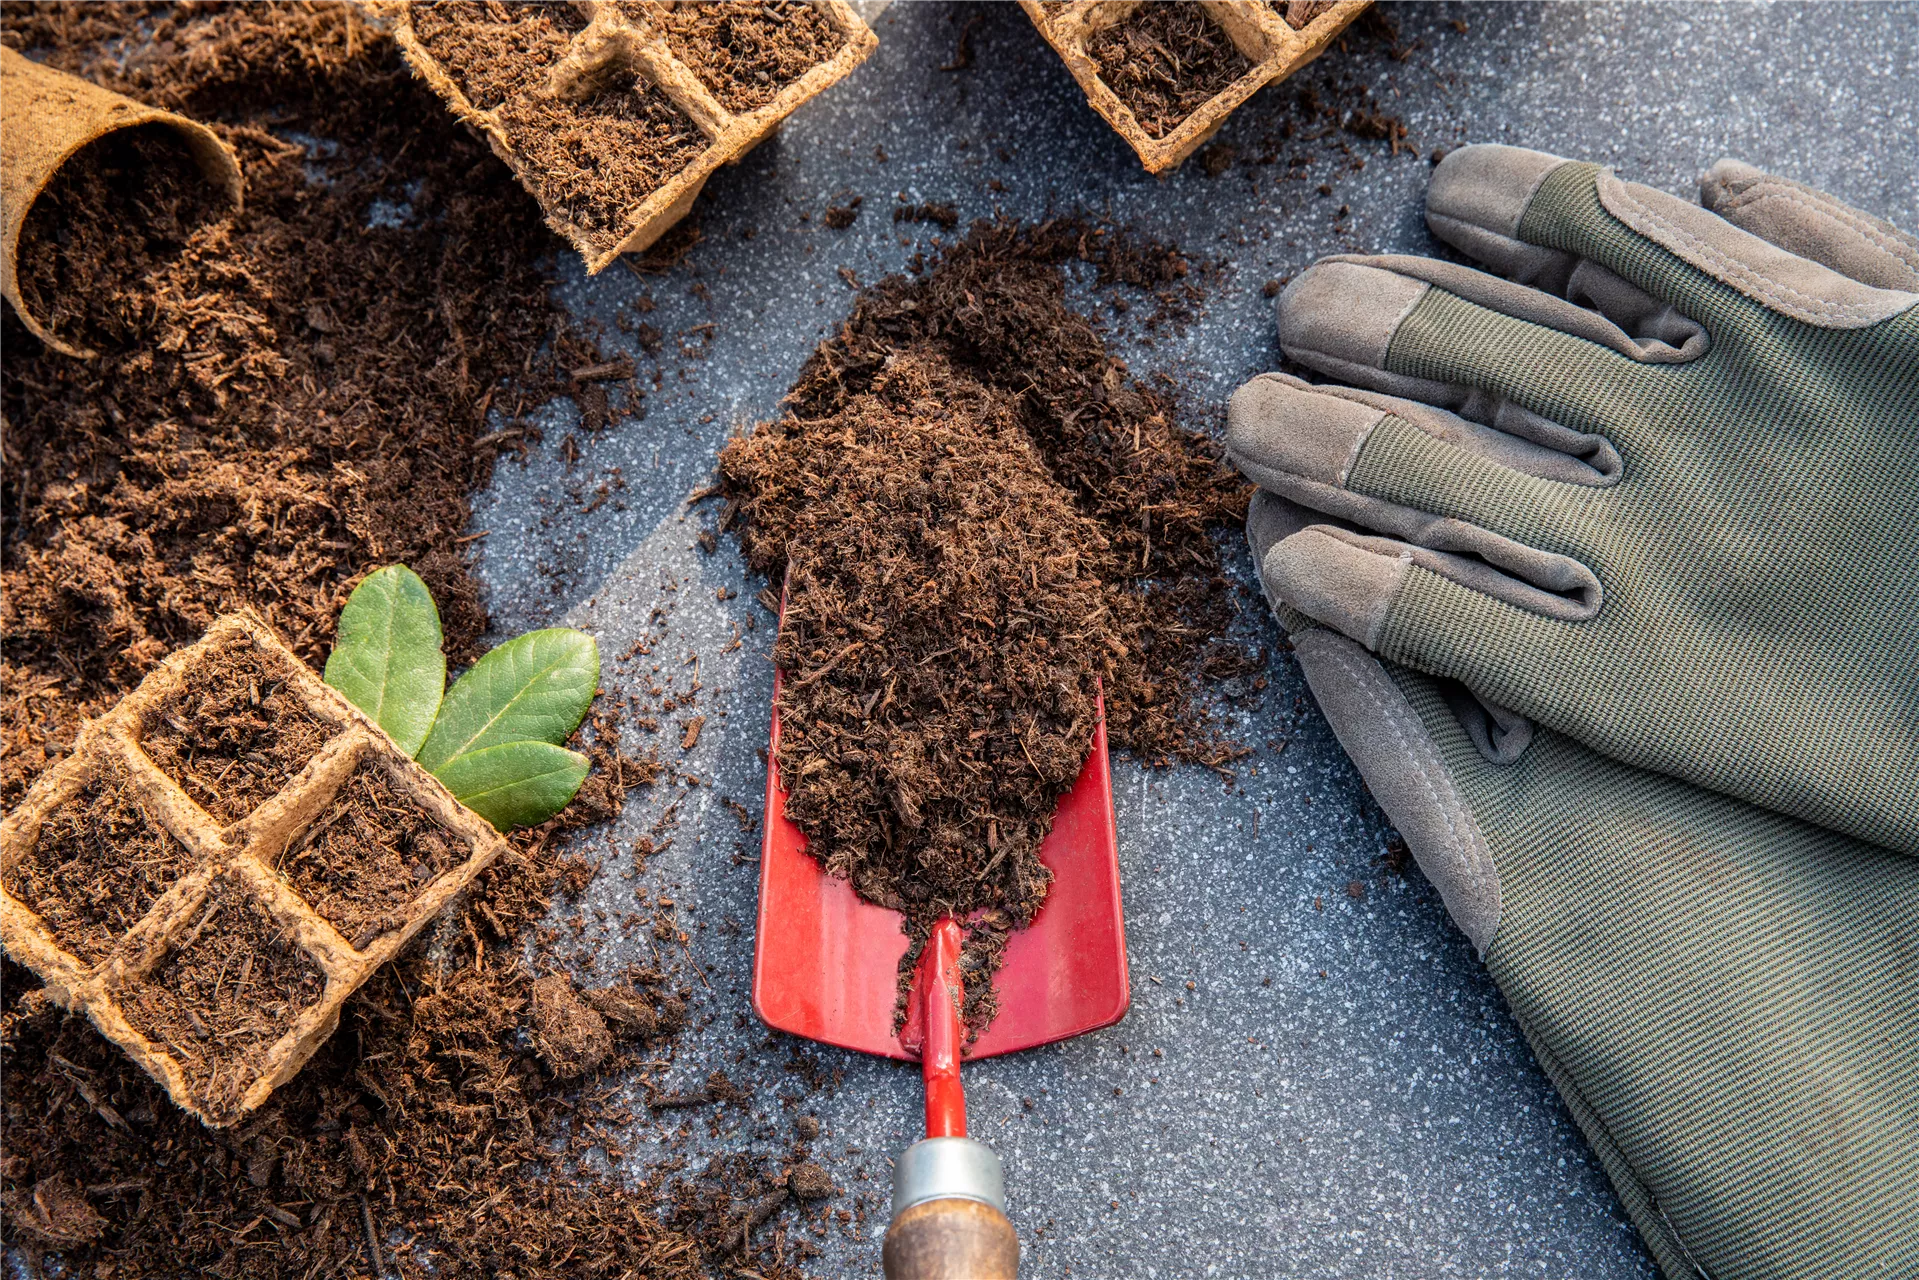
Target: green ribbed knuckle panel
[1728,999]
[1759,633]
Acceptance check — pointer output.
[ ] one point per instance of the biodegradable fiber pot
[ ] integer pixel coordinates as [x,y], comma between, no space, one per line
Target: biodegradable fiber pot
[47,117]
[226,856]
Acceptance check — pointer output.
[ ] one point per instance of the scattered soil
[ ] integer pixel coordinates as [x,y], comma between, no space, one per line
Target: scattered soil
[944,214]
[985,520]
[1167,61]
[99,864]
[591,161]
[744,51]
[223,994]
[364,859]
[305,393]
[234,733]
[113,216]
[306,399]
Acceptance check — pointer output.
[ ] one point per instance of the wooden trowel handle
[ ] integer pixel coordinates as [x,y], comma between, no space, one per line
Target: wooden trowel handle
[951,1239]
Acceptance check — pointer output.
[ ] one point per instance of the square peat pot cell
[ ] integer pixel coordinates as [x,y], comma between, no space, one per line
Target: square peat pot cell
[614,113]
[226,857]
[1167,73]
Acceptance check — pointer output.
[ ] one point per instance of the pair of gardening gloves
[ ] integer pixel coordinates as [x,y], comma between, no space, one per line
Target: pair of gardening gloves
[1603,564]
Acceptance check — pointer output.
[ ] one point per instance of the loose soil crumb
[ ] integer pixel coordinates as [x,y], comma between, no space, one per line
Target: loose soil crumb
[223,995]
[233,734]
[367,856]
[744,51]
[591,161]
[984,520]
[99,864]
[571,1036]
[114,215]
[1167,61]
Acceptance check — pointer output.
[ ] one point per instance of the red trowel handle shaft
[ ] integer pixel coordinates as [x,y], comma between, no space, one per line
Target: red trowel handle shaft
[949,1201]
[941,994]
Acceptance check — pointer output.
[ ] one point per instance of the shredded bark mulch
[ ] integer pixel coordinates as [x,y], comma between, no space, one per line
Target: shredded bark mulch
[982,520]
[99,865]
[368,856]
[114,214]
[233,734]
[1166,61]
[744,51]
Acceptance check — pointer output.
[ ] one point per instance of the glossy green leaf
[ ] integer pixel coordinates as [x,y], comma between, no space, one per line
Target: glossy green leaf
[515,784]
[534,688]
[387,658]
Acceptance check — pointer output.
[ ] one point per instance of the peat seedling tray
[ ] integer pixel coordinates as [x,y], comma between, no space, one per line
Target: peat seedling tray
[614,113]
[227,855]
[1136,60]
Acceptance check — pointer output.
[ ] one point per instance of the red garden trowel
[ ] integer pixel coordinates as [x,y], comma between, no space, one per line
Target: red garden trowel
[826,966]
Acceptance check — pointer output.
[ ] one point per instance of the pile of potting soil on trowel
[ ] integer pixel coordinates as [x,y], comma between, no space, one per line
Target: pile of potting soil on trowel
[982,520]
[291,397]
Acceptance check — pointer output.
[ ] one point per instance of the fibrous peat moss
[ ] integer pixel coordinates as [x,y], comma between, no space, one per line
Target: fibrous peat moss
[743,51]
[982,520]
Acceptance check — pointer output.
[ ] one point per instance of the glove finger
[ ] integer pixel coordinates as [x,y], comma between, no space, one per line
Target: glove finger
[1392,746]
[1806,221]
[1536,217]
[1327,448]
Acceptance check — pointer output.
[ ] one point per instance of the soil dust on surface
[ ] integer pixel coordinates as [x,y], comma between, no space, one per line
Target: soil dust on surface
[982,521]
[1166,61]
[301,396]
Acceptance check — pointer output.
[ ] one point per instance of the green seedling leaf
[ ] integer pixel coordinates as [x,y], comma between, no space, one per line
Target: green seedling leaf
[515,784]
[387,659]
[534,688]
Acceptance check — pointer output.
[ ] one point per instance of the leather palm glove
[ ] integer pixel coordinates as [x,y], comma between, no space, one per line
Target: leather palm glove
[1726,998]
[1654,484]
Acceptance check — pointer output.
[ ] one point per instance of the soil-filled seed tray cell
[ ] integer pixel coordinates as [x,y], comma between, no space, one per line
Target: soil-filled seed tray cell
[1166,62]
[743,51]
[590,153]
[222,995]
[100,863]
[369,855]
[613,113]
[234,732]
[1166,74]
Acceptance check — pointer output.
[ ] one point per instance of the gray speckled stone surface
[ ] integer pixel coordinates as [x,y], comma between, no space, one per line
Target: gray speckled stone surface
[1371,1111]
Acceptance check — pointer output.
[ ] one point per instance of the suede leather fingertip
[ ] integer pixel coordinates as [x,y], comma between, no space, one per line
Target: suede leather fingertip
[1276,423]
[1335,582]
[1340,317]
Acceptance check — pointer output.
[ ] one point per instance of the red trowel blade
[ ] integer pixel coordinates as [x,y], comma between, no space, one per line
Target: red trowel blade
[826,963]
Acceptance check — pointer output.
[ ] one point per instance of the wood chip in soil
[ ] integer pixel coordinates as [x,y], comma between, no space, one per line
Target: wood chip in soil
[230,987]
[590,161]
[234,733]
[99,863]
[743,51]
[1166,61]
[368,855]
